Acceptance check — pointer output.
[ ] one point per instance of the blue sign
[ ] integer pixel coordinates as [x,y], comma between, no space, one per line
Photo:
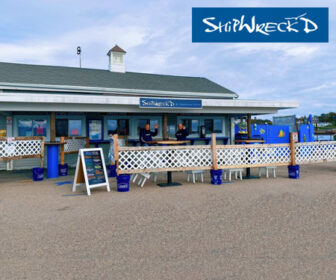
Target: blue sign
[251,25]
[170,103]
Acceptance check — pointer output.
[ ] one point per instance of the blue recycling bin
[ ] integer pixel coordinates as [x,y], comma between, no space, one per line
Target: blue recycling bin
[38,173]
[123,182]
[216,176]
[52,160]
[63,169]
[112,171]
[294,171]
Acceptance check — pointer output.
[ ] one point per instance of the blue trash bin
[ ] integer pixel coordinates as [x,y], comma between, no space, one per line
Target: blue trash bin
[294,171]
[216,177]
[63,169]
[112,171]
[52,161]
[123,182]
[38,174]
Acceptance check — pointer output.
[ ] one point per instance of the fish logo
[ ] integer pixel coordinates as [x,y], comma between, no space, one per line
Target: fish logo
[281,133]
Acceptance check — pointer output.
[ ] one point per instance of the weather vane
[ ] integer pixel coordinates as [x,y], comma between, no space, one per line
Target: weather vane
[79,52]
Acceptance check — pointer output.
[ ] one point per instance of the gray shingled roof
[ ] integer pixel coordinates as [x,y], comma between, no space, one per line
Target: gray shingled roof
[70,76]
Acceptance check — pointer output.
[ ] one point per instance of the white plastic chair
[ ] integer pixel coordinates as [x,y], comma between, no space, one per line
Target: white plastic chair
[267,168]
[236,171]
[143,178]
[194,174]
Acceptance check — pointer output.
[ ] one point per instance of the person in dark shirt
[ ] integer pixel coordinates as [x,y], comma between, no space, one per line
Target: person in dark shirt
[146,134]
[181,133]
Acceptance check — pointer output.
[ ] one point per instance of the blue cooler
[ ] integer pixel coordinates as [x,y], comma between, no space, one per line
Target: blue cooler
[123,182]
[216,177]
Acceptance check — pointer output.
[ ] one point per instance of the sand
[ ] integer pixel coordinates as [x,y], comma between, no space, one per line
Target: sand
[251,229]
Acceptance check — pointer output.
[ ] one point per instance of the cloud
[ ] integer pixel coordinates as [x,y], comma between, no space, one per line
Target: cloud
[157,38]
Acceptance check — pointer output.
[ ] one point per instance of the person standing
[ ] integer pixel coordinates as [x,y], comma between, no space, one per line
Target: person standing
[181,133]
[146,134]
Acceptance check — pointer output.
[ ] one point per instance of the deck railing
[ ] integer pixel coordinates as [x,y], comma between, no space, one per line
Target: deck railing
[71,145]
[180,158]
[15,148]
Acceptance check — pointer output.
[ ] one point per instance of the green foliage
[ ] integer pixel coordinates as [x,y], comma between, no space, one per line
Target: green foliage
[329,117]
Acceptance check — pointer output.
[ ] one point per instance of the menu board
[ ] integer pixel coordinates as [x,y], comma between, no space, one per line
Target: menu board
[91,170]
[94,167]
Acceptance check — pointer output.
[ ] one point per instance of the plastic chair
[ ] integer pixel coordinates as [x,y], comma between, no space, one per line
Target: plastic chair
[194,174]
[236,171]
[267,168]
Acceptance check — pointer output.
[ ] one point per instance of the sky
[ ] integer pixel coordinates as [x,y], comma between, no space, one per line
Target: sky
[157,37]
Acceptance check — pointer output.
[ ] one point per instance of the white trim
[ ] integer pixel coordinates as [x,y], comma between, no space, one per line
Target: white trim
[118,100]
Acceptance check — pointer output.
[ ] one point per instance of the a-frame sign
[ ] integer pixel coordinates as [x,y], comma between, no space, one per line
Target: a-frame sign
[91,170]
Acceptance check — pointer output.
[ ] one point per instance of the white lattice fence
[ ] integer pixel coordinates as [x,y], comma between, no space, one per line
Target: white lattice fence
[315,152]
[177,158]
[72,145]
[21,147]
[235,156]
[155,159]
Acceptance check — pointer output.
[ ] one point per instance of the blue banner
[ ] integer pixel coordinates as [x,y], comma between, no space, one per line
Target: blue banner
[266,25]
[170,103]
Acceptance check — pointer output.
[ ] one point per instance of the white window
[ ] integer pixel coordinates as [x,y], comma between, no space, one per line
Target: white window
[118,58]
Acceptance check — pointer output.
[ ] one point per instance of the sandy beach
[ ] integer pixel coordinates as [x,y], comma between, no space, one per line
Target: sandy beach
[251,229]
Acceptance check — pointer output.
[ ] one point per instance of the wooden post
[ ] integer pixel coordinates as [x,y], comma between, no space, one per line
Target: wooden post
[293,140]
[52,126]
[42,152]
[62,150]
[214,151]
[164,127]
[249,122]
[87,142]
[116,151]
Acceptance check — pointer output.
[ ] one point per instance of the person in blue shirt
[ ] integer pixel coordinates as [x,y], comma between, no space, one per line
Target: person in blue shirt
[181,133]
[146,134]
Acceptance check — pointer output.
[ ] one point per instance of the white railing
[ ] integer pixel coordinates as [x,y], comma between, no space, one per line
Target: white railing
[180,158]
[238,156]
[14,148]
[156,159]
[71,145]
[74,144]
[315,152]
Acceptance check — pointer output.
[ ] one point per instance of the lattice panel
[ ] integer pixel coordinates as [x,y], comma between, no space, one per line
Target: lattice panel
[249,156]
[167,159]
[74,145]
[315,152]
[20,148]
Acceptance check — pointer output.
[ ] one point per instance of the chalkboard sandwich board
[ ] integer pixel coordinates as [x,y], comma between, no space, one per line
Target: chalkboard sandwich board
[91,170]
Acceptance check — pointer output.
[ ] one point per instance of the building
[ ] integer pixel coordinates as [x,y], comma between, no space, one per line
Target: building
[55,101]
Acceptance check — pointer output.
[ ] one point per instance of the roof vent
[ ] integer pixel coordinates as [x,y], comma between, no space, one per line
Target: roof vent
[116,59]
